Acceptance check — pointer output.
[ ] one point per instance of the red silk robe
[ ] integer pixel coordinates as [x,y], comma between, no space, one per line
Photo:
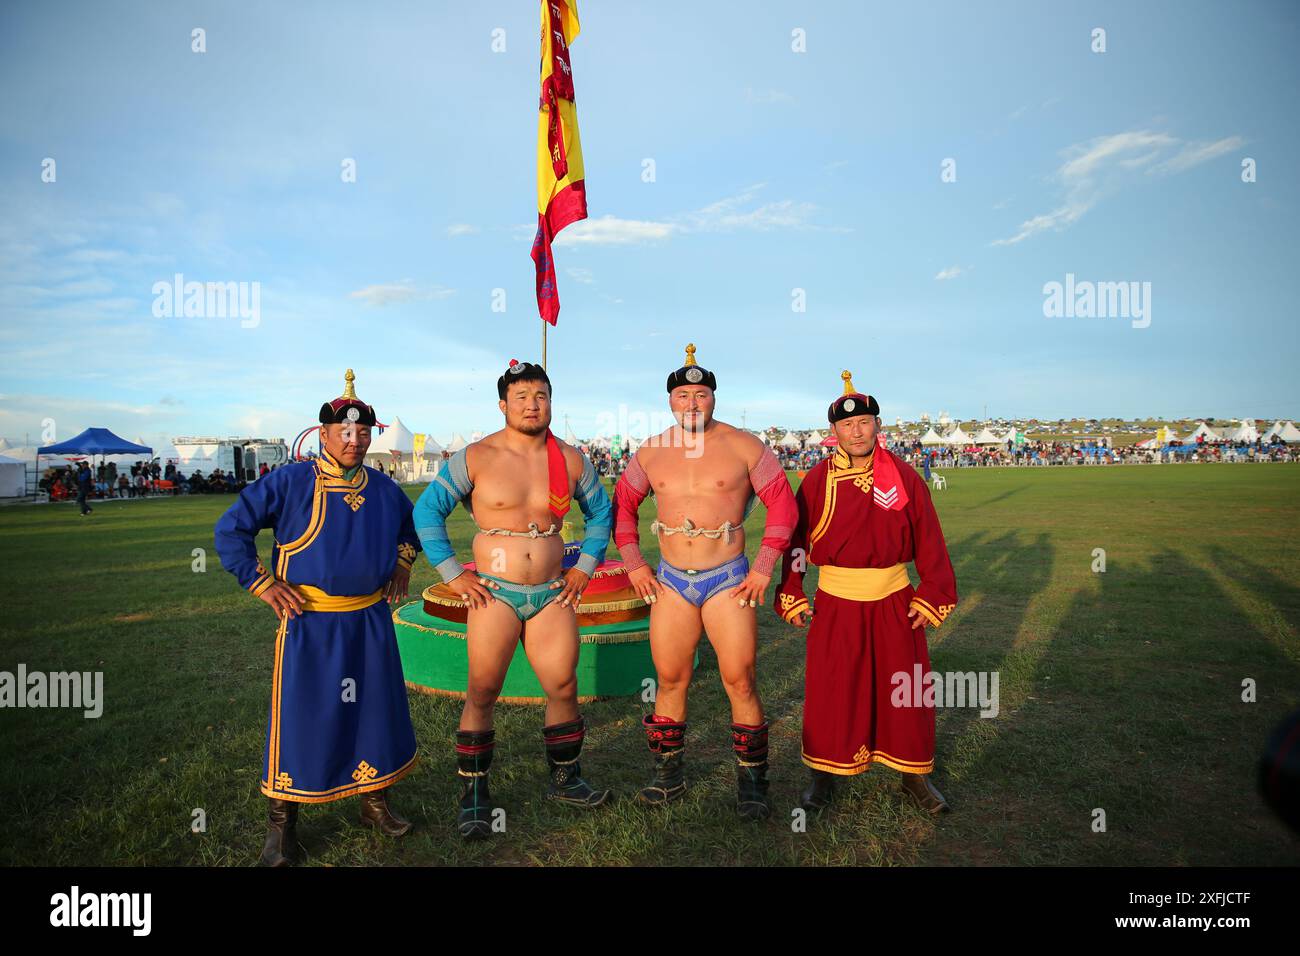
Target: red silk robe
[875,516]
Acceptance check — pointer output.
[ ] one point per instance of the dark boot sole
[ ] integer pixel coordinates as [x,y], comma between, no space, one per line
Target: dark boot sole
[658,797]
[474,830]
[597,799]
[397,833]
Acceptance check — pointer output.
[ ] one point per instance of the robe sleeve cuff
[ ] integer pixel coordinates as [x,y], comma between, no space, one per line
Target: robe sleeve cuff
[449,568]
[586,564]
[631,555]
[406,556]
[264,581]
[927,611]
[788,605]
[765,560]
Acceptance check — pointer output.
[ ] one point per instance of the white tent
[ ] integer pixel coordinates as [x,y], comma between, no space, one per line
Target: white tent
[13,477]
[1203,429]
[395,438]
[431,447]
[762,436]
[1283,430]
[4,444]
[791,440]
[457,443]
[815,437]
[475,437]
[931,437]
[1246,433]
[600,441]
[986,437]
[957,437]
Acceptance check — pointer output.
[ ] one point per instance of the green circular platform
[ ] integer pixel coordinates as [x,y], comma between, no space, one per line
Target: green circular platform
[613,660]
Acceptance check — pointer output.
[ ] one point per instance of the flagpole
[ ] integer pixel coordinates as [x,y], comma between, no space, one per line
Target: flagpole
[543,345]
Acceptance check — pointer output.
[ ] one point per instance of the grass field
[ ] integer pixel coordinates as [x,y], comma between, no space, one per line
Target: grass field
[1119,690]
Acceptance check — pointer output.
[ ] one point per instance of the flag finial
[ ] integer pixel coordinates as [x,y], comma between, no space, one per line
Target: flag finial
[848,382]
[690,353]
[348,390]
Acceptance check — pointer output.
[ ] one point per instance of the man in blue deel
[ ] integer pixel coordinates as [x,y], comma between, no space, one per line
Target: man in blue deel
[344,544]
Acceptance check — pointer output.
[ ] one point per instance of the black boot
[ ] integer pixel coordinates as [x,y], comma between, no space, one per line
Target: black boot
[817,796]
[750,745]
[666,742]
[281,848]
[376,813]
[563,748]
[473,759]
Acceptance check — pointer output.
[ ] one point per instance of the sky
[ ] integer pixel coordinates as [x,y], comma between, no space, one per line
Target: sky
[796,189]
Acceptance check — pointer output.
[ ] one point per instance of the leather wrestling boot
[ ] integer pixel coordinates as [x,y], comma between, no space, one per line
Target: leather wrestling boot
[667,740]
[473,760]
[375,813]
[749,741]
[920,789]
[281,848]
[563,748]
[818,794]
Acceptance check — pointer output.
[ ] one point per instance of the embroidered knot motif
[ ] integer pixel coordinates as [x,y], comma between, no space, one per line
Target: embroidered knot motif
[864,481]
[355,500]
[364,772]
[787,601]
[283,781]
[862,754]
[944,610]
[406,551]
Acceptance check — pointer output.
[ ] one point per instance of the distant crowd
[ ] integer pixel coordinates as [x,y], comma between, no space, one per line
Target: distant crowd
[1047,453]
[143,479]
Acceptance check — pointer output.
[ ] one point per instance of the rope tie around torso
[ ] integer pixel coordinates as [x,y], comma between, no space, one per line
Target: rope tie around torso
[533,531]
[688,529]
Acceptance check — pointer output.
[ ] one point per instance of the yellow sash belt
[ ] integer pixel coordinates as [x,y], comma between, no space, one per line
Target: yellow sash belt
[318,600]
[862,584]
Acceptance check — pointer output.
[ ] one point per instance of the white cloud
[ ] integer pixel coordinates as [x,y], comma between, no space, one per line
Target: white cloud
[1193,154]
[1104,164]
[394,293]
[612,231]
[951,272]
[461,229]
[580,274]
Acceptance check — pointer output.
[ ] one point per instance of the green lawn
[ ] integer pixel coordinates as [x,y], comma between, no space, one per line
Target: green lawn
[1119,691]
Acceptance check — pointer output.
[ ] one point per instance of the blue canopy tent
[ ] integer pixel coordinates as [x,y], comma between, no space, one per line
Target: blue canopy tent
[95,441]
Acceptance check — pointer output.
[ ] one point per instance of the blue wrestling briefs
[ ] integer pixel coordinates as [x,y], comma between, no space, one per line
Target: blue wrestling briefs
[698,586]
[524,599]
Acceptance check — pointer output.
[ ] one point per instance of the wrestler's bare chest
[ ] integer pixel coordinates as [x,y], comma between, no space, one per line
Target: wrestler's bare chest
[713,474]
[508,484]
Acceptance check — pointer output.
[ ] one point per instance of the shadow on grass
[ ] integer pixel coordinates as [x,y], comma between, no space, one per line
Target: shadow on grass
[1133,707]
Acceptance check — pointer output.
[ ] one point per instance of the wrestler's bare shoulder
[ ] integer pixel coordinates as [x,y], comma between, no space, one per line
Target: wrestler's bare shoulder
[573,459]
[484,452]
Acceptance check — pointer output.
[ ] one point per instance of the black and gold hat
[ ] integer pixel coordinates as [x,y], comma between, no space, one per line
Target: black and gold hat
[692,374]
[521,372]
[347,407]
[851,402]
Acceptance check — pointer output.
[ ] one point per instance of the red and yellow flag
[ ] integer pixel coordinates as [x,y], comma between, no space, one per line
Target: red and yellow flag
[561,192]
